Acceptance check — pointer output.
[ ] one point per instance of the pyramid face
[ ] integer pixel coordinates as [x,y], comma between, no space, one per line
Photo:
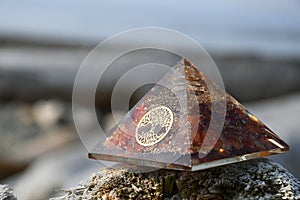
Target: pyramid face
[187,122]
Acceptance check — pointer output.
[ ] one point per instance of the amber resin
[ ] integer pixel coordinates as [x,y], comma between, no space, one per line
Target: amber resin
[172,127]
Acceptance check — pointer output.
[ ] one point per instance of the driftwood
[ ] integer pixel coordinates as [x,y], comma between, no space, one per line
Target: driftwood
[254,179]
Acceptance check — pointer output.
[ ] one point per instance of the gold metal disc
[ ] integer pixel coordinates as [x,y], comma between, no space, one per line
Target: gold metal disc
[154,126]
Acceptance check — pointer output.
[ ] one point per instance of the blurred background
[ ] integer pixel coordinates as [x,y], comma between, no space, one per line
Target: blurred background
[255,44]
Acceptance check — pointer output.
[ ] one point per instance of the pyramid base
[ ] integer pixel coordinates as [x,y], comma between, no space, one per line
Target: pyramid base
[173,166]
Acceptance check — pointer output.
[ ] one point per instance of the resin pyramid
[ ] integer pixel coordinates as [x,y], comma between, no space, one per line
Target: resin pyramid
[187,122]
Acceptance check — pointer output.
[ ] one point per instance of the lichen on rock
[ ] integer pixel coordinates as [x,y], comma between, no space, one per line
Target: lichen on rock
[254,179]
[6,193]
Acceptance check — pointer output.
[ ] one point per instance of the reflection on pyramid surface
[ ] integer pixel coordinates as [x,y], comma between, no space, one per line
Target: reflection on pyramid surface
[187,122]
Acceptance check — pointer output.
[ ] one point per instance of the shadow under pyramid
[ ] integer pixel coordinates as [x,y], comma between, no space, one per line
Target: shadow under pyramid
[187,122]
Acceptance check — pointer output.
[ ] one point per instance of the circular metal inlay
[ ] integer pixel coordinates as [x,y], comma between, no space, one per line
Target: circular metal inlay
[154,126]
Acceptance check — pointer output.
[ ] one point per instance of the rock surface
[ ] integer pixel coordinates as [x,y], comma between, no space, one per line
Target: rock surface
[6,193]
[254,179]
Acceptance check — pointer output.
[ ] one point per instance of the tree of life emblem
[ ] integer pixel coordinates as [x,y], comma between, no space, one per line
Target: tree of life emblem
[154,126]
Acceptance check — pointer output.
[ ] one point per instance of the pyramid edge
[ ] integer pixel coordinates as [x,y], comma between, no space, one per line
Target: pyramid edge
[241,158]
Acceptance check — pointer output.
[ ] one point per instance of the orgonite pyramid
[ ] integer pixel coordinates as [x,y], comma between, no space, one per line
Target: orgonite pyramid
[172,127]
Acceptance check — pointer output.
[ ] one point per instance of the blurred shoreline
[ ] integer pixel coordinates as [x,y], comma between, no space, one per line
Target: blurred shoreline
[49,69]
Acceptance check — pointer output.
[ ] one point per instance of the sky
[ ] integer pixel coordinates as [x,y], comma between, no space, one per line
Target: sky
[252,25]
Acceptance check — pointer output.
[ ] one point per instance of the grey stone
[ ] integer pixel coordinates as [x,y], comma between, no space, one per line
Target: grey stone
[6,193]
[254,179]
